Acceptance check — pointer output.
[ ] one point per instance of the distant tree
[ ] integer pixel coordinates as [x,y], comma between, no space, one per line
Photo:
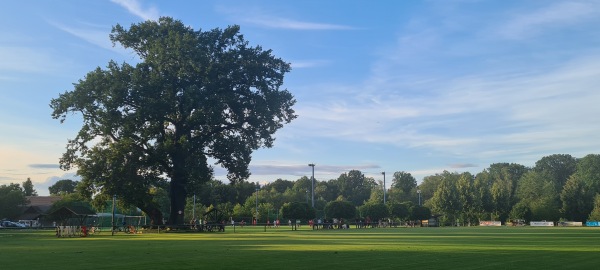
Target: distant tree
[244,190]
[399,210]
[302,184]
[327,190]
[281,185]
[521,211]
[595,214]
[297,210]
[12,198]
[505,177]
[429,185]
[63,187]
[221,193]
[28,188]
[340,209]
[404,181]
[375,211]
[242,213]
[539,194]
[355,187]
[377,194]
[194,97]
[482,197]
[420,212]
[578,193]
[398,196]
[574,197]
[467,198]
[191,212]
[557,168]
[446,198]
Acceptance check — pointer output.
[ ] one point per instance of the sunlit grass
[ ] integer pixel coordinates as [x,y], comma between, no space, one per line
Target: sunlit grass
[281,248]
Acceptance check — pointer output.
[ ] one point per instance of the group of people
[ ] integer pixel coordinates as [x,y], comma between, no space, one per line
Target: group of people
[328,224]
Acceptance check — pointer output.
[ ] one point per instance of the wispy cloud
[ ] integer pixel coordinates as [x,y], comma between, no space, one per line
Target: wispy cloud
[135,8]
[44,166]
[261,18]
[482,115]
[309,63]
[282,23]
[556,15]
[98,36]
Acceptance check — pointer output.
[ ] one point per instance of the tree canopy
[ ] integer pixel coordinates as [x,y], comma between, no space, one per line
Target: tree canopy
[28,188]
[12,197]
[63,187]
[404,181]
[297,210]
[340,209]
[194,96]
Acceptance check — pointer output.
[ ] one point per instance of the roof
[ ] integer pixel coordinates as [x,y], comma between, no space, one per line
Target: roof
[74,211]
[42,200]
[29,216]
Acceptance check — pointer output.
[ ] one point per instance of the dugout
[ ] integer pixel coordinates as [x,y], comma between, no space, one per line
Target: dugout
[71,215]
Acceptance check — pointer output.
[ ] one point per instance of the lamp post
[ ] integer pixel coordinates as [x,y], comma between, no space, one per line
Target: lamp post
[383,187]
[312,184]
[419,192]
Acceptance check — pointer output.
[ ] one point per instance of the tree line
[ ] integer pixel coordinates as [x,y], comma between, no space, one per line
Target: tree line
[558,187]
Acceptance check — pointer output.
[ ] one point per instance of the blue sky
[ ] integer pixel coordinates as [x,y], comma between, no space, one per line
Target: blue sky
[416,86]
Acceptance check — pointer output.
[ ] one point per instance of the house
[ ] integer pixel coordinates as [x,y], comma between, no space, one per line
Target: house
[36,208]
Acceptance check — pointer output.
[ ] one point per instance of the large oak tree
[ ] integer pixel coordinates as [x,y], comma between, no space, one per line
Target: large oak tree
[194,98]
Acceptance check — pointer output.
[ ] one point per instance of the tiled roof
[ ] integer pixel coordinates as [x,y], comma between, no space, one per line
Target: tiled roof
[42,200]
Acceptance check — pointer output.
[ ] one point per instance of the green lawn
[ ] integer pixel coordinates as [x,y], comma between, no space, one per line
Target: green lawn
[252,248]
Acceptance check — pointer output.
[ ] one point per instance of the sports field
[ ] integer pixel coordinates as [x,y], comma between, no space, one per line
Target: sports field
[253,248]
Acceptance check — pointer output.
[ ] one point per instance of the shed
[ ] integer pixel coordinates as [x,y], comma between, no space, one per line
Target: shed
[66,213]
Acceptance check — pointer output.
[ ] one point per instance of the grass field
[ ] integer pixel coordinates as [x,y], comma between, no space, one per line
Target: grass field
[252,248]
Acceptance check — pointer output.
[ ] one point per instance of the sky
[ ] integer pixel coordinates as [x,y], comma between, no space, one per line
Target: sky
[381,86]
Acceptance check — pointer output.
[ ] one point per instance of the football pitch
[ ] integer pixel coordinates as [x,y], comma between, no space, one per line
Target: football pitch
[281,248]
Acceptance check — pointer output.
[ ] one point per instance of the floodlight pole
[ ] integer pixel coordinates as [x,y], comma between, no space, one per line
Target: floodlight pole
[312,184]
[419,192]
[383,187]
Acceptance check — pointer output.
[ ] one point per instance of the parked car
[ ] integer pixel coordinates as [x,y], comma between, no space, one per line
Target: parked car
[10,224]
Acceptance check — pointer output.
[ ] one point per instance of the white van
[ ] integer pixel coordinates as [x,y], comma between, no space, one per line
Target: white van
[30,223]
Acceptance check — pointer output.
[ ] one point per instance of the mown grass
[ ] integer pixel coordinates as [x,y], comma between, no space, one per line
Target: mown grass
[252,248]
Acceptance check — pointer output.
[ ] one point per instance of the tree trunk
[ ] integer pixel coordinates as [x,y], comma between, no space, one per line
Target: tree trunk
[178,195]
[154,213]
[177,189]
